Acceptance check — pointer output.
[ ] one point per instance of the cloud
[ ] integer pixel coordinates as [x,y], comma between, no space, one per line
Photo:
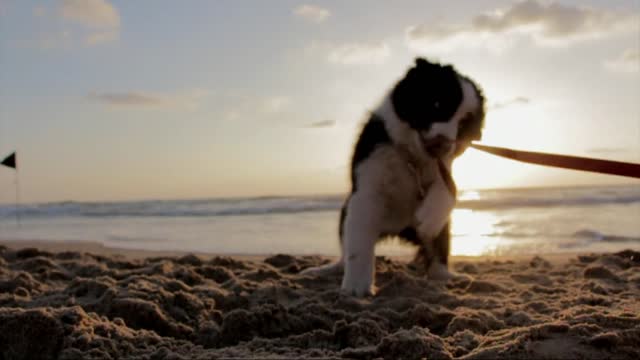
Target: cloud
[91,13]
[546,23]
[322,124]
[73,22]
[238,106]
[189,100]
[312,13]
[359,53]
[627,62]
[99,17]
[98,37]
[550,20]
[515,101]
[128,99]
[275,104]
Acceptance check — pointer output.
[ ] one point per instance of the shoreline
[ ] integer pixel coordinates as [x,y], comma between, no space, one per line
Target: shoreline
[95,247]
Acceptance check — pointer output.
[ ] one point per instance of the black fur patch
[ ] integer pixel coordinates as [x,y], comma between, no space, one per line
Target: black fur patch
[373,134]
[441,245]
[440,249]
[429,93]
[410,235]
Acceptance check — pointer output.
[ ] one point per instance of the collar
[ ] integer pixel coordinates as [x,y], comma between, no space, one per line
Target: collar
[448,179]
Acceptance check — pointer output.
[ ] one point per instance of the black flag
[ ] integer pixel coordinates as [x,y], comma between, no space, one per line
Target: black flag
[10,161]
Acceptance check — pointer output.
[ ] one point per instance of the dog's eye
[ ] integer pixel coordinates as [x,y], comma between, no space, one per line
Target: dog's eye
[436,105]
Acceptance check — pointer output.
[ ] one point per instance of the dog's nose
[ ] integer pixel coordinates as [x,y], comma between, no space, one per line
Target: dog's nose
[438,146]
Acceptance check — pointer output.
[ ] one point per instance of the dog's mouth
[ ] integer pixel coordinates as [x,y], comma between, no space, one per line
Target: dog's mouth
[438,146]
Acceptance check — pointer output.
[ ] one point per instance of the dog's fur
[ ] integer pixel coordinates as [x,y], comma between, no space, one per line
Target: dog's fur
[400,172]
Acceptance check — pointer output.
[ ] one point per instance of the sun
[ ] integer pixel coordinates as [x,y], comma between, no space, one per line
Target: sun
[476,170]
[518,127]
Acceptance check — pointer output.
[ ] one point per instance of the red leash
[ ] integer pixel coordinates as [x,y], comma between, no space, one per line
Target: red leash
[565,161]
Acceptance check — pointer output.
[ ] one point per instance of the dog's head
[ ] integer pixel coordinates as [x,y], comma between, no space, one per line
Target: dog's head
[444,107]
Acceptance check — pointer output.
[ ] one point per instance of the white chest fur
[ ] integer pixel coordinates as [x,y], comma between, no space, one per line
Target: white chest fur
[433,213]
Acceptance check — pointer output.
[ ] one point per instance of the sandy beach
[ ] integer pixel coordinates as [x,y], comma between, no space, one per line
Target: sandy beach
[81,300]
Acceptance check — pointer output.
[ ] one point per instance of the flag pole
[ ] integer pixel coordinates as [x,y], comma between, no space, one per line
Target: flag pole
[17,178]
[11,162]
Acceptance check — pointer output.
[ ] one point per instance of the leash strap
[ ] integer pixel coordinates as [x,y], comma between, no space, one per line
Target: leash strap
[565,161]
[447,178]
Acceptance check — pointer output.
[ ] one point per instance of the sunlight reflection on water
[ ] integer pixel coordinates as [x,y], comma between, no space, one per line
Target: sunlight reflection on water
[474,232]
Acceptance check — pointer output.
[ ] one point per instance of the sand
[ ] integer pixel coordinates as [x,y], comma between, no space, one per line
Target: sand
[102,305]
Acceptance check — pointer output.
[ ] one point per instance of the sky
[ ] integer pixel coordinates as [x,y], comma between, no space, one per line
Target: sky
[121,100]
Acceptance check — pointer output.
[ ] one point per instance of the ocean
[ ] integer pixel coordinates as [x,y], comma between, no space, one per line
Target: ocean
[485,222]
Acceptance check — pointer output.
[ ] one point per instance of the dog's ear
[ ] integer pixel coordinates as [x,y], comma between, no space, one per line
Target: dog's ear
[422,62]
[427,68]
[471,127]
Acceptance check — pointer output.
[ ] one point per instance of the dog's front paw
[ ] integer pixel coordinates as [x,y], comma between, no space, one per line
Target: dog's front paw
[323,270]
[313,271]
[358,287]
[440,272]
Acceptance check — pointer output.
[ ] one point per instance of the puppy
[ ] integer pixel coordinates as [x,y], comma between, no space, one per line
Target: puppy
[400,172]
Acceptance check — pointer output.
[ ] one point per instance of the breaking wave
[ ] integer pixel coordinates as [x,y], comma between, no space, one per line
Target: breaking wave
[485,200]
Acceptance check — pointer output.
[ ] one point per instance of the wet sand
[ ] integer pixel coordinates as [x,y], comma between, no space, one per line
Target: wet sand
[81,300]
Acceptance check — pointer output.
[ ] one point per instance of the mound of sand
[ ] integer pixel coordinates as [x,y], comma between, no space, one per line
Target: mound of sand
[71,305]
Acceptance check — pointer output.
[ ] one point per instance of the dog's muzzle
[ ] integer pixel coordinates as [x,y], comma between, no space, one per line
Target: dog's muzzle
[437,146]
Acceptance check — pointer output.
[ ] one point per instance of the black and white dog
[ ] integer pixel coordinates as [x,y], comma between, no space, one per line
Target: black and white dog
[400,172]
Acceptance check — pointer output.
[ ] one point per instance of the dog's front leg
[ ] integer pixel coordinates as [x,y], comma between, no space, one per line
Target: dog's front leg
[435,255]
[433,230]
[362,229]
[437,258]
